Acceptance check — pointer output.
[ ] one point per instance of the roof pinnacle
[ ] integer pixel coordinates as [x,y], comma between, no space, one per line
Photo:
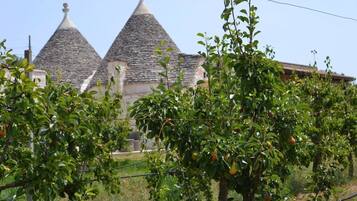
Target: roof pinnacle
[65,8]
[66,22]
[141,9]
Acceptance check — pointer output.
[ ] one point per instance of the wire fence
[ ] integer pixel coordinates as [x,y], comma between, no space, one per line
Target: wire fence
[138,175]
[140,163]
[171,172]
[350,197]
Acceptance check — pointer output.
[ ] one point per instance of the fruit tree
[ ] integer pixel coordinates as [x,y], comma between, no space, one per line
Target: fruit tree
[73,136]
[244,130]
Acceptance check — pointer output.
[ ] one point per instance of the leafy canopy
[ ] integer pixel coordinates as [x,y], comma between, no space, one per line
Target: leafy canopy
[73,135]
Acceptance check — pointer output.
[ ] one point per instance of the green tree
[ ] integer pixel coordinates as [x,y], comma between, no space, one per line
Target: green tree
[349,115]
[245,130]
[73,136]
[329,130]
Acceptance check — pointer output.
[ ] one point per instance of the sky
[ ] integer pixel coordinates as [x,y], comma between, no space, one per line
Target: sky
[292,32]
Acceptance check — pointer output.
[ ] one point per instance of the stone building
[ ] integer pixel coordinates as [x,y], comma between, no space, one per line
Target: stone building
[67,56]
[134,51]
[131,61]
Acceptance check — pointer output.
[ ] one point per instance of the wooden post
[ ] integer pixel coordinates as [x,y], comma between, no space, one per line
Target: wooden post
[28,57]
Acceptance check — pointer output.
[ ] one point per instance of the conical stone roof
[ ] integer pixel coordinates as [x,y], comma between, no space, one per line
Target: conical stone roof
[136,45]
[68,56]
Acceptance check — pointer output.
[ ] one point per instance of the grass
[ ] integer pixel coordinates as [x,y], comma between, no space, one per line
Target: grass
[131,188]
[297,185]
[9,192]
[135,189]
[339,192]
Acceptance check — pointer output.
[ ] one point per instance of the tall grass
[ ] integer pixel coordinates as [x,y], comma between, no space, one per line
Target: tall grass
[136,189]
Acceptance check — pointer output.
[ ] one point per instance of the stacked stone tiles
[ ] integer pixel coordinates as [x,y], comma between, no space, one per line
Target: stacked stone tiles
[136,45]
[188,64]
[67,56]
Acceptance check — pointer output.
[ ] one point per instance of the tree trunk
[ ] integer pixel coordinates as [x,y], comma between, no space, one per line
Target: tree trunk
[317,161]
[223,190]
[248,196]
[351,168]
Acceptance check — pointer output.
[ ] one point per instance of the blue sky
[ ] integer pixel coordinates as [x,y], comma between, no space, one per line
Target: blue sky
[292,32]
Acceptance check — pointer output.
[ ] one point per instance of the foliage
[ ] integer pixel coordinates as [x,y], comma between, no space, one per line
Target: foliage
[331,148]
[349,124]
[350,114]
[246,129]
[161,184]
[73,135]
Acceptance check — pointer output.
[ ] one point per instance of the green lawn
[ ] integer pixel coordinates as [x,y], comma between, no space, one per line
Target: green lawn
[135,189]
[131,188]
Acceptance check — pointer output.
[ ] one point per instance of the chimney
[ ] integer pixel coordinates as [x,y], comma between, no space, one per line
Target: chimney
[28,52]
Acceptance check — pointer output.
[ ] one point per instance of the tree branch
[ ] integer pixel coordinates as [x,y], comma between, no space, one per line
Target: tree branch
[14,184]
